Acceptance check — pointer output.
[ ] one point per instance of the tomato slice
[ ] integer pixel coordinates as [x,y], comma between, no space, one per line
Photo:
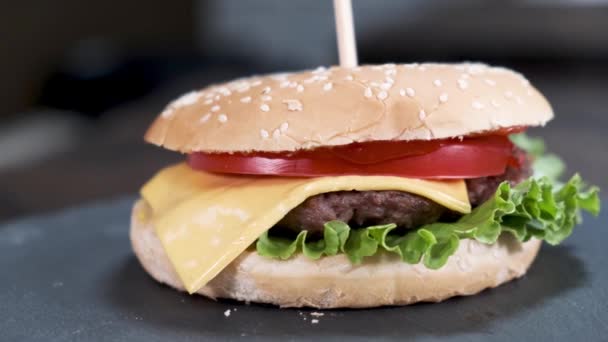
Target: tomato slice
[376,151]
[443,159]
[379,151]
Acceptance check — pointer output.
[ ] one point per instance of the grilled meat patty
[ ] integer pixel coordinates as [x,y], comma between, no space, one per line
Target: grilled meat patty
[365,208]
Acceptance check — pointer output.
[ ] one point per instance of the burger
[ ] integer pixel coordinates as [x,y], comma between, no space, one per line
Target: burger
[354,187]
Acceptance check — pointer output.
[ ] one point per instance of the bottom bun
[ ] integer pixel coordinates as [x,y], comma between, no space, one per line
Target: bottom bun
[334,282]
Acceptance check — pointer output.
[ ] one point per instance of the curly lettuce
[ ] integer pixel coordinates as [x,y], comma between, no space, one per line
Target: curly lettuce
[540,207]
[532,209]
[544,164]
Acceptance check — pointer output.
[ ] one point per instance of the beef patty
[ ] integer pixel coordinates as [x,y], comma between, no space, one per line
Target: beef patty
[365,208]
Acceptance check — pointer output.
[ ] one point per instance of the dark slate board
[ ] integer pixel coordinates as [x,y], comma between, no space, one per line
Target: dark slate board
[71,276]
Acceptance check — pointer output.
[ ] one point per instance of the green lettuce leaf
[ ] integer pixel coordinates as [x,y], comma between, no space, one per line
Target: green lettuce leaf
[534,208]
[544,164]
[534,146]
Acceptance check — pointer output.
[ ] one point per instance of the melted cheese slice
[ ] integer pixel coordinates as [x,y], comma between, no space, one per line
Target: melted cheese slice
[204,221]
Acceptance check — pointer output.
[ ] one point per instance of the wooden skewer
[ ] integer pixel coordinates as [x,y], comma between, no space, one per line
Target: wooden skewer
[345,31]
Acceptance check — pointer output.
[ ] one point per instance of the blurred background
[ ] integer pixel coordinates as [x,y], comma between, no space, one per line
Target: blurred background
[81,80]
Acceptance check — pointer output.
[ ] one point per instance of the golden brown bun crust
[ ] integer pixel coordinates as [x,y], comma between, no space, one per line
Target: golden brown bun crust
[333,282]
[339,106]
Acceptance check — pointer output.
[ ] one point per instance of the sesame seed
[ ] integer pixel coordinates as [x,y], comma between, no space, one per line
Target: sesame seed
[314,321]
[205,118]
[266,98]
[284,127]
[410,92]
[519,100]
[215,108]
[167,113]
[256,83]
[227,313]
[382,95]
[422,68]
[264,134]
[422,115]
[328,86]
[465,76]
[222,118]
[508,94]
[529,92]
[390,72]
[246,99]
[386,86]
[349,78]
[376,68]
[217,97]
[300,88]
[368,92]
[462,84]
[477,68]
[284,84]
[490,82]
[186,100]
[477,105]
[389,80]
[265,108]
[208,102]
[389,65]
[279,77]
[500,70]
[495,104]
[321,78]
[243,88]
[293,105]
[293,84]
[437,83]
[266,90]
[209,96]
[319,70]
[374,84]
[276,134]
[402,92]
[443,98]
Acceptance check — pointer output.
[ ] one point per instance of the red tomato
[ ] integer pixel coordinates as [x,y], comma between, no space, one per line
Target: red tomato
[445,159]
[376,151]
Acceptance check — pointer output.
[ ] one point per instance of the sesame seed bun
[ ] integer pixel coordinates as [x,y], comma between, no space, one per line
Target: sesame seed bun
[337,106]
[334,282]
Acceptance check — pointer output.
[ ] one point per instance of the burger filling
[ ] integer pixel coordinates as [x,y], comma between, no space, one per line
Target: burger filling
[417,206]
[406,210]
[526,201]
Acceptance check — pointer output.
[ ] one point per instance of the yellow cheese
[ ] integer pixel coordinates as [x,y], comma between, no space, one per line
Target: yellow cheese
[204,221]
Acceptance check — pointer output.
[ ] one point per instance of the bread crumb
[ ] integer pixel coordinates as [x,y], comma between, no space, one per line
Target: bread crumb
[227,313]
[317,314]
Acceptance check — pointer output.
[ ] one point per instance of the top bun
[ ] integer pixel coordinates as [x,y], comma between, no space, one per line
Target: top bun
[337,106]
